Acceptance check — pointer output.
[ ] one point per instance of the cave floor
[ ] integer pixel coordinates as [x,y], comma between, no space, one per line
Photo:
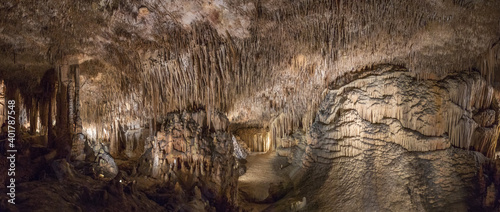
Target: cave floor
[263,169]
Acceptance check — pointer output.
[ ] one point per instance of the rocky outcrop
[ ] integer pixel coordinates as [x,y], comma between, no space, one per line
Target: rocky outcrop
[388,141]
[187,154]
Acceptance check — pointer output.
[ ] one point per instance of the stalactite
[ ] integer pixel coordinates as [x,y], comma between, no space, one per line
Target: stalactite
[442,117]
[204,68]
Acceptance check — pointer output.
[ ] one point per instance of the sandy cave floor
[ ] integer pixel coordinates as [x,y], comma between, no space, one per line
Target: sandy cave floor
[263,169]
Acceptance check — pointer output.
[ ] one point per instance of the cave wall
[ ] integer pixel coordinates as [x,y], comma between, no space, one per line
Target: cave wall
[394,106]
[388,177]
[388,141]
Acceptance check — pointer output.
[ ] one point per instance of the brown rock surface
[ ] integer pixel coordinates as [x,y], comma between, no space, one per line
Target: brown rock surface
[188,155]
[388,142]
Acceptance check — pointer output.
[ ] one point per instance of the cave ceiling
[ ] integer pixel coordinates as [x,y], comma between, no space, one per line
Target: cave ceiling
[249,59]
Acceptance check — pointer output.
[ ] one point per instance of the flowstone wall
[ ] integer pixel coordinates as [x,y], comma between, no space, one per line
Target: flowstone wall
[388,141]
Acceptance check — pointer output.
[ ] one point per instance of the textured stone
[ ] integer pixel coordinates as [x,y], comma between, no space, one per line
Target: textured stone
[187,152]
[395,107]
[389,178]
[62,169]
[388,142]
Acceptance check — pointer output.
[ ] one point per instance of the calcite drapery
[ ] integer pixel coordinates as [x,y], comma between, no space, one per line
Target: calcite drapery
[387,141]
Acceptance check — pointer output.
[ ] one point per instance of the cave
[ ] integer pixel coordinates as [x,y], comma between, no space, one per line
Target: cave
[260,105]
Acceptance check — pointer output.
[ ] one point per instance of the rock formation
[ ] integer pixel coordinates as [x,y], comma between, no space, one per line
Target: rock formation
[388,141]
[390,105]
[235,105]
[189,154]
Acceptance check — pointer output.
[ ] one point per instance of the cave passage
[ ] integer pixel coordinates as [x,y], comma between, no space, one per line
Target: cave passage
[264,181]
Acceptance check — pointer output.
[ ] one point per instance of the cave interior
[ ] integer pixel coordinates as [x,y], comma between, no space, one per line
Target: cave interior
[260,105]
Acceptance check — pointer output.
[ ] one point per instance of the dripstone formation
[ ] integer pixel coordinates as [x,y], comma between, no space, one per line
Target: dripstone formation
[260,105]
[387,141]
[189,155]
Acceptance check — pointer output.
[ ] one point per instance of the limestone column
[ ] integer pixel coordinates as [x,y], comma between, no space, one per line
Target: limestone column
[71,99]
[115,139]
[62,100]
[44,116]
[33,116]
[50,105]
[77,105]
[78,145]
[64,138]
[45,104]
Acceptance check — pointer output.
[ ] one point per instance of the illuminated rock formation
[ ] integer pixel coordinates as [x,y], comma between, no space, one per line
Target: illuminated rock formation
[188,153]
[387,141]
[343,104]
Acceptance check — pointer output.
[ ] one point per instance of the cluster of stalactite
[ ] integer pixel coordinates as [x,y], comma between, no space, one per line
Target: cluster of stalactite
[488,62]
[273,135]
[187,153]
[200,66]
[458,111]
[257,139]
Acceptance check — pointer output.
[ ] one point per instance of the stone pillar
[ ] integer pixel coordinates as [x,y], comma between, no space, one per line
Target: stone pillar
[71,99]
[114,144]
[78,119]
[64,137]
[44,116]
[62,121]
[33,116]
[45,104]
[78,144]
[50,103]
